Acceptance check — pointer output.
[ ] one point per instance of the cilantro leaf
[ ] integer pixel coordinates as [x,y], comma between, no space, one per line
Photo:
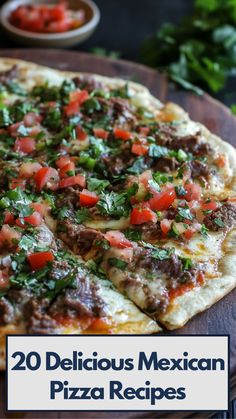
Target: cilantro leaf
[219,222]
[118,263]
[82,215]
[113,204]
[97,185]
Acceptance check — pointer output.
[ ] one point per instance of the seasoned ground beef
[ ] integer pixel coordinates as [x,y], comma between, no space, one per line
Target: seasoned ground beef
[199,169]
[7,312]
[83,301]
[150,231]
[37,319]
[87,83]
[117,164]
[165,164]
[69,197]
[223,218]
[190,143]
[8,75]
[79,238]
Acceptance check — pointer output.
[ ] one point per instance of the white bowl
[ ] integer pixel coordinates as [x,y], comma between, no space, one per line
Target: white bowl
[65,39]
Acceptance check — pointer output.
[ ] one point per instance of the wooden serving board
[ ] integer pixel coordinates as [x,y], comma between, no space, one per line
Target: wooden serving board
[219,319]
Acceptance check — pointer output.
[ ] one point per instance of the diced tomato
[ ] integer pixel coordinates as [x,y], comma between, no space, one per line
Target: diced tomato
[139,149]
[28,170]
[201,278]
[162,200]
[208,206]
[13,129]
[39,260]
[34,220]
[42,209]
[4,280]
[31,119]
[58,12]
[76,99]
[9,218]
[87,198]
[8,235]
[17,183]
[193,191]
[221,160]
[46,18]
[60,26]
[117,239]
[101,133]
[67,169]
[71,109]
[145,177]
[122,134]
[62,161]
[165,225]
[188,234]
[73,180]
[25,144]
[47,176]
[144,130]
[81,135]
[142,214]
[79,96]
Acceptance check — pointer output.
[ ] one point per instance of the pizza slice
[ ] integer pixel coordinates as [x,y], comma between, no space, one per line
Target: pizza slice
[46,289]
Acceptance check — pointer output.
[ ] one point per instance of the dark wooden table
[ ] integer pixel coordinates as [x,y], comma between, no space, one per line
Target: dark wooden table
[219,319]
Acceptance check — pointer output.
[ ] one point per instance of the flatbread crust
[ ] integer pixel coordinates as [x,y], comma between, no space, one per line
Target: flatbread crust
[200,298]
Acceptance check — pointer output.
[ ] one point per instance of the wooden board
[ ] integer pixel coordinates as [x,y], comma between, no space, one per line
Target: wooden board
[219,319]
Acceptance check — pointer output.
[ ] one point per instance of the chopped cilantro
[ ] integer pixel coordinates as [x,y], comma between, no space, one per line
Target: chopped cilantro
[82,215]
[204,230]
[187,263]
[5,118]
[180,191]
[118,263]
[15,88]
[91,105]
[113,204]
[53,118]
[160,253]
[162,178]
[138,166]
[184,214]
[97,185]
[157,151]
[219,222]
[132,234]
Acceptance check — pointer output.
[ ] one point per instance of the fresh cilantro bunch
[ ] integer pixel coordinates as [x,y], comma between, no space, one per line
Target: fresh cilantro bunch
[201,51]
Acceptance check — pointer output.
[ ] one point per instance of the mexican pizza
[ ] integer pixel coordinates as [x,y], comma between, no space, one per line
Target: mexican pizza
[117,212]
